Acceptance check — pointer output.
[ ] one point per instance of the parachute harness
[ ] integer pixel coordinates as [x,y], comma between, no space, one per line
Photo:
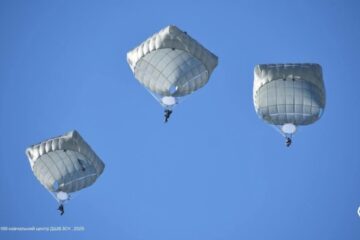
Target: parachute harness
[167,114]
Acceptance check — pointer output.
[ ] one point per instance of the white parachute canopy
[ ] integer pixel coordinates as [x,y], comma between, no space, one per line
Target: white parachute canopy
[289,95]
[64,164]
[171,64]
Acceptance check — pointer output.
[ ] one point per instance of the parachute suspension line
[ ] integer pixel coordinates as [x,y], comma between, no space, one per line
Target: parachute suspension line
[168,102]
[157,98]
[278,129]
[287,136]
[54,196]
[167,108]
[60,201]
[288,129]
[61,197]
[173,101]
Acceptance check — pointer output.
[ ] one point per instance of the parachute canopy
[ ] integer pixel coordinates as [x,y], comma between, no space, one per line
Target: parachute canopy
[171,64]
[64,164]
[289,95]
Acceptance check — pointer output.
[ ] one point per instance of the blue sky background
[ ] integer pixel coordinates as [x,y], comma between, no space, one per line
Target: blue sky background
[215,171]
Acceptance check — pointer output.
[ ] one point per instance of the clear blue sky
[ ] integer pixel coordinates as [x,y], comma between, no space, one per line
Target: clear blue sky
[215,171]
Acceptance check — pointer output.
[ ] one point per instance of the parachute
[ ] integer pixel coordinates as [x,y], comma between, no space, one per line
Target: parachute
[171,65]
[64,165]
[289,95]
